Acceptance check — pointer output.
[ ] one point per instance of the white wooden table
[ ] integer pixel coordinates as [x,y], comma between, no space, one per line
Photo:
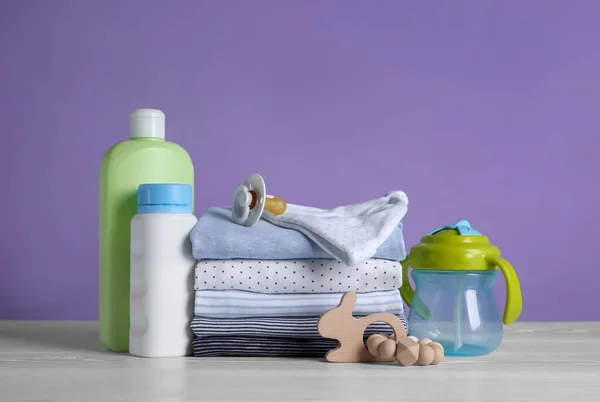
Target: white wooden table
[63,361]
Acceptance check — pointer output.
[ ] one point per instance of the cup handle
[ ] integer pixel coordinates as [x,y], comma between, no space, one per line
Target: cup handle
[514,301]
[408,293]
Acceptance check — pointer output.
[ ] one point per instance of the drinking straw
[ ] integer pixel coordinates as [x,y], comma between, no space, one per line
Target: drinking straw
[458,298]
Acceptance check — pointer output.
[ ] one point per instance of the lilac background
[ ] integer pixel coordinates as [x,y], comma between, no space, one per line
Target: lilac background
[479,110]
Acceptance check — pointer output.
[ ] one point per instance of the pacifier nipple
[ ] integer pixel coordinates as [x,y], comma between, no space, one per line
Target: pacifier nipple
[250,200]
[275,205]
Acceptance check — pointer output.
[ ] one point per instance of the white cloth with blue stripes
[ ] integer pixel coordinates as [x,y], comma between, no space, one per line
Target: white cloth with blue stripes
[239,304]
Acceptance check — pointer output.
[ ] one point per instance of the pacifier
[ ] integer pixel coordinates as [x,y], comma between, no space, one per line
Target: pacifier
[250,200]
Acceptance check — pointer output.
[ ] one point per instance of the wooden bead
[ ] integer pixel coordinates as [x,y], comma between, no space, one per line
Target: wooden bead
[387,348]
[426,355]
[407,352]
[373,343]
[438,352]
[424,341]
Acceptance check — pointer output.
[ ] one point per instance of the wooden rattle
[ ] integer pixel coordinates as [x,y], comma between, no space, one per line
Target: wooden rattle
[339,323]
[250,200]
[406,351]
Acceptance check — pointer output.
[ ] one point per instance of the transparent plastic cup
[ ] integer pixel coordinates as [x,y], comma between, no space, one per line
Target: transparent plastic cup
[457,309]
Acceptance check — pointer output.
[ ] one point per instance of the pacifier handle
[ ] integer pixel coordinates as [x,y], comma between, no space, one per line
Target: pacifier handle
[514,300]
[250,200]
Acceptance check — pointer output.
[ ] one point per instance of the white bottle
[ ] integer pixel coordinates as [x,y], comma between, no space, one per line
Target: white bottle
[162,272]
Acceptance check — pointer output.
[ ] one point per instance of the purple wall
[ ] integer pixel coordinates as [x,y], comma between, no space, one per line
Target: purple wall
[479,110]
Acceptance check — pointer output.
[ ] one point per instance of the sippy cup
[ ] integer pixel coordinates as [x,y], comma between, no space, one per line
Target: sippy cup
[454,270]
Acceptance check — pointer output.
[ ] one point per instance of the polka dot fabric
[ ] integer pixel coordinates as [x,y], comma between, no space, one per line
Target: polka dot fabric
[298,276]
[353,233]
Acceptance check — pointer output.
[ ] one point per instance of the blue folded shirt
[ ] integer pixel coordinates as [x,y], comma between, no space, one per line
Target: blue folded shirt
[217,237]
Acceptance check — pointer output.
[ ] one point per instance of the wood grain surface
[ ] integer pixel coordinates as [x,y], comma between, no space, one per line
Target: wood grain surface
[63,361]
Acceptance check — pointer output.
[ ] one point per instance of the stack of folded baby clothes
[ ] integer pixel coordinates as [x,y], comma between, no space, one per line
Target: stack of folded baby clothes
[260,290]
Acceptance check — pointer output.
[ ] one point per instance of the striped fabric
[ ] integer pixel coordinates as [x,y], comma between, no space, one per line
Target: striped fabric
[216,346]
[291,328]
[240,304]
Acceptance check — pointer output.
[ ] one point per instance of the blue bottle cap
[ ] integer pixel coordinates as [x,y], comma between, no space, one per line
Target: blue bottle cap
[462,227]
[165,198]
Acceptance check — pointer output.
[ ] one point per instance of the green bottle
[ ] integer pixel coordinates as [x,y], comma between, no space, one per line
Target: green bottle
[145,158]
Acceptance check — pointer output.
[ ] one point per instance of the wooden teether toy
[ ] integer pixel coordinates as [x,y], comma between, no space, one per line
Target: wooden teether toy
[339,323]
[250,200]
[406,351]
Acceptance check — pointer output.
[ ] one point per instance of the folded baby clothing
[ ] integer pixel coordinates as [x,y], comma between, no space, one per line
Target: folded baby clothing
[260,290]
[268,336]
[240,346]
[297,276]
[351,234]
[242,304]
[217,237]
[272,327]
